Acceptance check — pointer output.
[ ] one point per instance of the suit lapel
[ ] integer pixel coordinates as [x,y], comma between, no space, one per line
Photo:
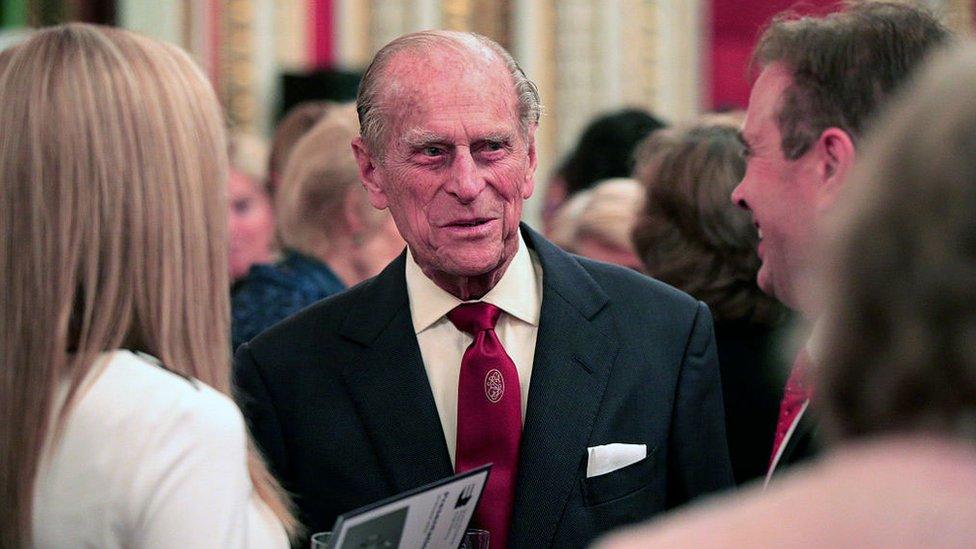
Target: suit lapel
[389,384]
[575,348]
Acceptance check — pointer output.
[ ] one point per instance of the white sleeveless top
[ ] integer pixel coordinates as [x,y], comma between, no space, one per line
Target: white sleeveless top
[149,459]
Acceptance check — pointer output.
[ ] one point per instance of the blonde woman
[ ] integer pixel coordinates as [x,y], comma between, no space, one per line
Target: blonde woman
[596,223]
[332,237]
[115,426]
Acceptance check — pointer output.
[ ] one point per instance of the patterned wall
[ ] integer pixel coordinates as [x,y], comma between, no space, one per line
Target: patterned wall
[674,57]
[587,56]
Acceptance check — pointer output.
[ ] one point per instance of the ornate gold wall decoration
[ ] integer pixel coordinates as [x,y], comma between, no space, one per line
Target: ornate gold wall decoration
[236,77]
[491,18]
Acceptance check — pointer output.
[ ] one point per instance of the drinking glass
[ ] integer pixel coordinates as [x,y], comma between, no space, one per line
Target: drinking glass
[474,539]
[321,540]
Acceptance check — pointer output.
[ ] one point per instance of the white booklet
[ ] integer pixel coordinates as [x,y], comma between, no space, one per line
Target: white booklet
[434,516]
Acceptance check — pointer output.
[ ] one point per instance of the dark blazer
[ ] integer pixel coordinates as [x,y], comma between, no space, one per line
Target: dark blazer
[753,376]
[338,400]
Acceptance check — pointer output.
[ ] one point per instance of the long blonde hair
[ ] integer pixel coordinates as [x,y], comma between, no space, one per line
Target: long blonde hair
[112,233]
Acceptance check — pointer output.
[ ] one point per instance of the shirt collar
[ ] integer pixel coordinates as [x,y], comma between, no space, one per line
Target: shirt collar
[516,293]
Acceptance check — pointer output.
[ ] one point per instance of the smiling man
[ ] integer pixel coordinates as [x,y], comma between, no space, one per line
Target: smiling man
[593,390]
[822,81]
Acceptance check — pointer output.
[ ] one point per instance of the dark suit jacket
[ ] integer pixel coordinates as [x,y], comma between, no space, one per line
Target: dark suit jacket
[753,376]
[338,400]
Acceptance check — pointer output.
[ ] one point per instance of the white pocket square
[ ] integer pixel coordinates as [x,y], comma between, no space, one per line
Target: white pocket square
[607,458]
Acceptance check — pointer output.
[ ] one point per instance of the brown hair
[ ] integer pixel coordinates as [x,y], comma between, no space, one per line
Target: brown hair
[899,331]
[689,234]
[296,123]
[113,221]
[843,65]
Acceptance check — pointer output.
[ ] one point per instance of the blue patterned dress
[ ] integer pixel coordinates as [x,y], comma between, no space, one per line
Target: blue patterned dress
[271,293]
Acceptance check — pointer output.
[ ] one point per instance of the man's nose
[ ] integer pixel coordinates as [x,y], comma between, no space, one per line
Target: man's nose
[466,179]
[739,195]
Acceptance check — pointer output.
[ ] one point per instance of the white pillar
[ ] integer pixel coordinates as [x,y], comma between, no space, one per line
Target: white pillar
[265,85]
[679,32]
[533,43]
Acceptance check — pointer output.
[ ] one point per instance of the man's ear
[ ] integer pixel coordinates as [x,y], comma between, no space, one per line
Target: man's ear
[369,174]
[836,155]
[529,184]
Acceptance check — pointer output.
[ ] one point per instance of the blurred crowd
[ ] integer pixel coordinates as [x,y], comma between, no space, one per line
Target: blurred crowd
[830,230]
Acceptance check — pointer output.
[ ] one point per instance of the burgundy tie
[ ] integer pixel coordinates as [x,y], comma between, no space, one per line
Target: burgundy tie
[489,418]
[795,395]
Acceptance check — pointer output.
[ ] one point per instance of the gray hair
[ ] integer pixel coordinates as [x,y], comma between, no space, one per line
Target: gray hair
[374,122]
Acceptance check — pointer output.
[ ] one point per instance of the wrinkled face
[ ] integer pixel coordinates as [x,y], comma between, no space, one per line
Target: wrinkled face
[780,193]
[250,225]
[457,166]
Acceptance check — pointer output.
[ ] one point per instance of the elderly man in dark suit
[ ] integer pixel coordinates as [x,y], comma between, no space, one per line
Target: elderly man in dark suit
[594,391]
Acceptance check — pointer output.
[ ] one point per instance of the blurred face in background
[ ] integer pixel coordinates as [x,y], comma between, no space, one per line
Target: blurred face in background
[250,224]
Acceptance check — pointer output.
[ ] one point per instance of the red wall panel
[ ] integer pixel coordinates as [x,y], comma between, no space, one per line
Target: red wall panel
[735,27]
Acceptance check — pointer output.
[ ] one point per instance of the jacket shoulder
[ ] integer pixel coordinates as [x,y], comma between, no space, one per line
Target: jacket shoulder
[624,285]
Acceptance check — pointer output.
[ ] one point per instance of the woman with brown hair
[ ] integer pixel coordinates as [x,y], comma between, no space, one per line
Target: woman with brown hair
[115,425]
[691,236]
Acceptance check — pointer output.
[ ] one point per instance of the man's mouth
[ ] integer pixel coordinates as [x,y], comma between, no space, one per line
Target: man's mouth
[469,222]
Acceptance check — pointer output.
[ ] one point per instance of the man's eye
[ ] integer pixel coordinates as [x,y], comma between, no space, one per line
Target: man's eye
[431,151]
[491,147]
[241,206]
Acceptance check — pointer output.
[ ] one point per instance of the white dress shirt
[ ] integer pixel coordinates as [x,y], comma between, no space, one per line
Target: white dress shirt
[518,294]
[148,459]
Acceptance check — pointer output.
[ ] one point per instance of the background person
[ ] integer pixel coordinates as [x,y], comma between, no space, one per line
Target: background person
[297,122]
[562,226]
[599,225]
[691,237]
[332,237]
[896,382]
[113,223]
[605,150]
[251,217]
[822,80]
